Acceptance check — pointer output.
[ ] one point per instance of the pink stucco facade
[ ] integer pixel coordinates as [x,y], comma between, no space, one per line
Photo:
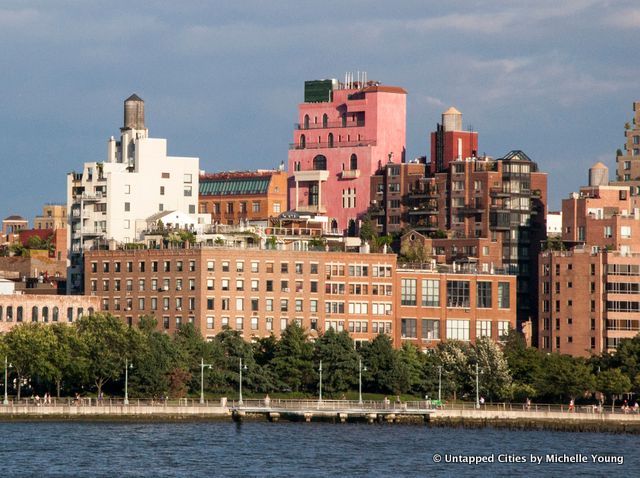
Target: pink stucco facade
[358,131]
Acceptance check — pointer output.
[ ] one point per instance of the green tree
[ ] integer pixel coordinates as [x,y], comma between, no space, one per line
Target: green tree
[456,370]
[613,383]
[67,359]
[410,370]
[292,363]
[104,343]
[29,347]
[563,377]
[381,359]
[339,361]
[153,355]
[495,382]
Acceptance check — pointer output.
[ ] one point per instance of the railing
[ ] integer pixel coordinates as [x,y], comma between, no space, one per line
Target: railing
[330,124]
[334,144]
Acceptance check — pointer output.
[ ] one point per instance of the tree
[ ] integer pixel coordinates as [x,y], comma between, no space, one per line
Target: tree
[456,372]
[153,355]
[563,377]
[613,382]
[380,358]
[496,379]
[29,348]
[292,362]
[66,357]
[339,361]
[104,343]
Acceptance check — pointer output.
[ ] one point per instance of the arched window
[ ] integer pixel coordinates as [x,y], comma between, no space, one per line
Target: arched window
[56,313]
[45,314]
[353,162]
[9,313]
[303,141]
[69,314]
[19,313]
[34,313]
[344,120]
[1,318]
[325,120]
[352,228]
[319,163]
[91,311]
[331,140]
[296,166]
[306,122]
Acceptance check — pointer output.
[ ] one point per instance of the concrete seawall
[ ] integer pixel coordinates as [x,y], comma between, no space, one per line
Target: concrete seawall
[547,420]
[467,418]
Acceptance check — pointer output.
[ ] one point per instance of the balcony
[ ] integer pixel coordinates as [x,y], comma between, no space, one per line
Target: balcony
[315,209]
[312,175]
[499,193]
[350,174]
[331,124]
[335,144]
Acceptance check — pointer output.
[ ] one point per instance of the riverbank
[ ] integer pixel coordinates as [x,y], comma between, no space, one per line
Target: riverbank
[330,411]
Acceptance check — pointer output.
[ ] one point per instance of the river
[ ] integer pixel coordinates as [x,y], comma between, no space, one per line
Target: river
[256,448]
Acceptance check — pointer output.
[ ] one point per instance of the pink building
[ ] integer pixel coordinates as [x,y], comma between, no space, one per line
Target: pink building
[344,134]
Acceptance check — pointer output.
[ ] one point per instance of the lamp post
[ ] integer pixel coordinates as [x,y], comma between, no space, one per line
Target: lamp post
[477,386]
[320,370]
[127,366]
[6,367]
[360,381]
[241,368]
[440,383]
[202,366]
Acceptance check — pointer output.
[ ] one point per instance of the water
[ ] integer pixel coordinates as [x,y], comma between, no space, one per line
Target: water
[193,449]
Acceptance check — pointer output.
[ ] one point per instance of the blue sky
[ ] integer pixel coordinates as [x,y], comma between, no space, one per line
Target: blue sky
[222,79]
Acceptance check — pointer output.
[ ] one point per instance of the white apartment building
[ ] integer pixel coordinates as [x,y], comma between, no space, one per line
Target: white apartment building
[109,202]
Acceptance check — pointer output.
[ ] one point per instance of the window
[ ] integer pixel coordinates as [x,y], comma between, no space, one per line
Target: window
[255,207]
[503,295]
[353,162]
[408,328]
[127,207]
[320,163]
[408,291]
[483,328]
[209,322]
[276,207]
[457,329]
[503,329]
[430,293]
[625,232]
[457,294]
[484,295]
[430,329]
[284,305]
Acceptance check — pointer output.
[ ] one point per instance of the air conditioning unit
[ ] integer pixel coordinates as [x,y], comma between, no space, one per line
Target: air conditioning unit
[179,308]
[178,288]
[128,308]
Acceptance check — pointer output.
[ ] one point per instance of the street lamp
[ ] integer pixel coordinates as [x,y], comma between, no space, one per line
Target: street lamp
[477,386]
[245,368]
[440,383]
[202,366]
[320,370]
[360,380]
[6,397]
[127,366]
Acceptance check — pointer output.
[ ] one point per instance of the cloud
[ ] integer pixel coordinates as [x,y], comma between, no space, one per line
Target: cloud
[626,19]
[18,18]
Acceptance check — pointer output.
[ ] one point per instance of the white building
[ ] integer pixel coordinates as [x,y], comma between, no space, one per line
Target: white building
[110,201]
[554,223]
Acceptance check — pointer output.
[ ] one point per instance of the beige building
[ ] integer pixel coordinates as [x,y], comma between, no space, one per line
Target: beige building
[54,216]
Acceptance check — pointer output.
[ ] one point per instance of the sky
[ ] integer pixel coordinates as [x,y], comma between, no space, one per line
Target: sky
[222,79]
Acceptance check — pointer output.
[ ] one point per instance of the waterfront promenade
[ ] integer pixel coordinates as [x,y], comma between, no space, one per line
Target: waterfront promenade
[559,417]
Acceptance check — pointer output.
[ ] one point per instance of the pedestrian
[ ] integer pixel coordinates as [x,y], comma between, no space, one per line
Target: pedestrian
[572,407]
[100,398]
[481,401]
[267,401]
[386,402]
[528,404]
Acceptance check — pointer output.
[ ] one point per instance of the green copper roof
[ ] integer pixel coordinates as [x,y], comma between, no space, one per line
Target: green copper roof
[233,186]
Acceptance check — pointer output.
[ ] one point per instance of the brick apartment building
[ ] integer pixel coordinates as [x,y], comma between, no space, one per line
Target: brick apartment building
[232,197]
[590,290]
[259,292]
[440,303]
